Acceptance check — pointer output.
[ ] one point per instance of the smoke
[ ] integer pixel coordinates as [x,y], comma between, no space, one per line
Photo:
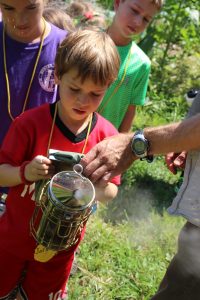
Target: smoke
[131,204]
[139,207]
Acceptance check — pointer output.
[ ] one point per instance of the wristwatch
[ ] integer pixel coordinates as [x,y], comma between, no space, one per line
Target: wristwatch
[140,146]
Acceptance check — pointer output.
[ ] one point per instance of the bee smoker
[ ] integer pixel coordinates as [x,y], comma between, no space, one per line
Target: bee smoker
[63,206]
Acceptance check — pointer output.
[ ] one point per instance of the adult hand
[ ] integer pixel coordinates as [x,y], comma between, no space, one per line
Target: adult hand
[176,161]
[109,158]
[39,168]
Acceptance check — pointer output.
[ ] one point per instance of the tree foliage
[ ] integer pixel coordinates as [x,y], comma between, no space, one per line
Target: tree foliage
[176,43]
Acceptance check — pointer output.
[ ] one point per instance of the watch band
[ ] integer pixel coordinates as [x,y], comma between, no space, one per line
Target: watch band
[143,155]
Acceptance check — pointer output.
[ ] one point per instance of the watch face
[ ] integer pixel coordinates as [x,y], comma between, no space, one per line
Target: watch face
[140,146]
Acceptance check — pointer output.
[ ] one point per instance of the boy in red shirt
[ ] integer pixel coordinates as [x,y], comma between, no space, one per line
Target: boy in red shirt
[87,62]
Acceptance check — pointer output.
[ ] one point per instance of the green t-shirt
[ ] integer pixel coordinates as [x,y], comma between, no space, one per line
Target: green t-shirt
[133,89]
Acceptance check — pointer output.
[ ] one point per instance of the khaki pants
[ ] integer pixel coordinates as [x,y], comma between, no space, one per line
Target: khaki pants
[182,279]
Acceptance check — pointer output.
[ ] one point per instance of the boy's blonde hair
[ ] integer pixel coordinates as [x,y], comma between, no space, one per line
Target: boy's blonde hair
[92,53]
[157,3]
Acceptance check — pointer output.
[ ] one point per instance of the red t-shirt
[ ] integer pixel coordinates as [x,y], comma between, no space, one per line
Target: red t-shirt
[28,137]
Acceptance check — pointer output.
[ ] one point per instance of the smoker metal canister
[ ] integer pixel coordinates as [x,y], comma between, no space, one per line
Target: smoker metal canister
[58,220]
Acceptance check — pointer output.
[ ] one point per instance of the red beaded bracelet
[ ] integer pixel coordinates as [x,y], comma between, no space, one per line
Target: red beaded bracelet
[22,171]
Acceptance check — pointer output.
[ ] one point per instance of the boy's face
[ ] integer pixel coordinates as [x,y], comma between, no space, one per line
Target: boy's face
[22,18]
[78,99]
[133,16]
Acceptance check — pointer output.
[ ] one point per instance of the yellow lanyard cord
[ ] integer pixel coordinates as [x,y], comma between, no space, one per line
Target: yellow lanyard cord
[118,86]
[32,76]
[87,135]
[52,128]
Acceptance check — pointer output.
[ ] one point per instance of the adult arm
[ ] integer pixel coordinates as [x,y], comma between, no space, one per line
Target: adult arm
[113,155]
[175,137]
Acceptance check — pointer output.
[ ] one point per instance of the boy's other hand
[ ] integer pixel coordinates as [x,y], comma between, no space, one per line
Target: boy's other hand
[39,168]
[176,161]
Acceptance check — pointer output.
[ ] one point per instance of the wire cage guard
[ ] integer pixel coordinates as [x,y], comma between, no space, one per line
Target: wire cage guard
[63,206]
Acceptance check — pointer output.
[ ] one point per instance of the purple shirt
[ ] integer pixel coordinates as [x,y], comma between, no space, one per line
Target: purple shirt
[21,58]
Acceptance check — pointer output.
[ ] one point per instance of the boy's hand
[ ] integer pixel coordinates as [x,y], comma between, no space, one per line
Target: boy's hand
[39,168]
[176,161]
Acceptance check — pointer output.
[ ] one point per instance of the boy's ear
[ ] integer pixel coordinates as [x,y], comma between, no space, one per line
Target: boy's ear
[116,4]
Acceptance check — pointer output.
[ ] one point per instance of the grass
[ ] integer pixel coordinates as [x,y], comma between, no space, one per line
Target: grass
[129,243]
[124,261]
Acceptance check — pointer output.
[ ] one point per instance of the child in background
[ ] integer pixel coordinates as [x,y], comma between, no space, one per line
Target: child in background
[27,54]
[87,62]
[78,8]
[58,17]
[129,90]
[85,15]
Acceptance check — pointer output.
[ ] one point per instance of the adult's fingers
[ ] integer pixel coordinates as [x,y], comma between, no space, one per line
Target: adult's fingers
[111,154]
[90,162]
[172,168]
[99,173]
[169,159]
[180,160]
